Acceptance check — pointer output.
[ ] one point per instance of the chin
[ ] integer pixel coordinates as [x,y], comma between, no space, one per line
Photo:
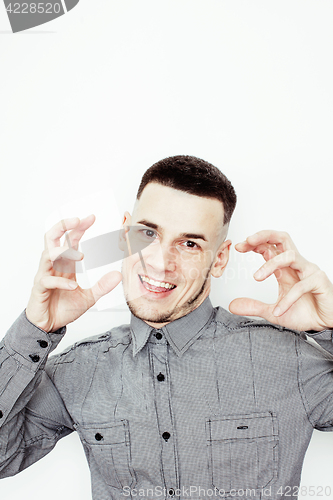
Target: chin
[150,314]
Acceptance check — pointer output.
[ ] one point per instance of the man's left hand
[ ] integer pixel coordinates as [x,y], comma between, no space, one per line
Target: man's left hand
[305,299]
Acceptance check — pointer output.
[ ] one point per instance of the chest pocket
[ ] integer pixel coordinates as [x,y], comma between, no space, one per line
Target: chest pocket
[243,451]
[108,445]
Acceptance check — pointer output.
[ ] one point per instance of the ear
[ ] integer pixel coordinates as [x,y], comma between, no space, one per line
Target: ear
[124,230]
[221,259]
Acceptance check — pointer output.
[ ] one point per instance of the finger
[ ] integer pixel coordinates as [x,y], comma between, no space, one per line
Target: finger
[250,307]
[288,259]
[281,239]
[64,261]
[310,284]
[267,250]
[56,258]
[59,253]
[55,282]
[74,236]
[105,285]
[52,237]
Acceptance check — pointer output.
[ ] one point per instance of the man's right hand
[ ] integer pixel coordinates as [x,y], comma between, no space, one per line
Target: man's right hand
[56,298]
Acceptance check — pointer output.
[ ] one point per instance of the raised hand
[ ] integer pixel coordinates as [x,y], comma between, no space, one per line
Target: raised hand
[56,298]
[305,298]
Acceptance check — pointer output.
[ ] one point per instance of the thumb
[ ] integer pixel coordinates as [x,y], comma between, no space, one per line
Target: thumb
[107,283]
[249,307]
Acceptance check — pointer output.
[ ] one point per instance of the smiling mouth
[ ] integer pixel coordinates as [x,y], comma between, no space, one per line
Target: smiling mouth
[156,286]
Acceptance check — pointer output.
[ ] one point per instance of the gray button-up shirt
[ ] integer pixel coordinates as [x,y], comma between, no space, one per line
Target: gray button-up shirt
[211,405]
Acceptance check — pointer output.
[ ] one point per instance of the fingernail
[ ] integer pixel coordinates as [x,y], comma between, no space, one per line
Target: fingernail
[277,311]
[72,285]
[259,274]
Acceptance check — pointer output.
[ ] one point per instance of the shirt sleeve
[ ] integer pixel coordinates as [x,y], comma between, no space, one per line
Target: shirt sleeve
[33,416]
[323,338]
[316,381]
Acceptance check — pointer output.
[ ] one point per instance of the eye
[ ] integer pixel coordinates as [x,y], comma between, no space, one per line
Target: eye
[149,233]
[190,244]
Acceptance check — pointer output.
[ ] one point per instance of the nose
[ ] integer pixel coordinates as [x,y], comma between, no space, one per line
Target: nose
[160,258]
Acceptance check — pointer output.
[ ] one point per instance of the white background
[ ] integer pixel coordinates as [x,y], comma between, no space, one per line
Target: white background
[92,99]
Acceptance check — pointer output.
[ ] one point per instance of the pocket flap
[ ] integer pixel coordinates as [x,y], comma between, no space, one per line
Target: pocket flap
[105,433]
[254,425]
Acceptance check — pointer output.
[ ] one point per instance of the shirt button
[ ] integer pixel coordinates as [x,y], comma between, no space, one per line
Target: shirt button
[166,435]
[98,437]
[42,343]
[34,357]
[1,414]
[171,492]
[160,377]
[158,335]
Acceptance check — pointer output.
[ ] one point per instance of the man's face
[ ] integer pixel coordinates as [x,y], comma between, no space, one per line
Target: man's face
[184,234]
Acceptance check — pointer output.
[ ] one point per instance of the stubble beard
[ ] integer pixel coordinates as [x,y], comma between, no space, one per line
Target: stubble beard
[143,312]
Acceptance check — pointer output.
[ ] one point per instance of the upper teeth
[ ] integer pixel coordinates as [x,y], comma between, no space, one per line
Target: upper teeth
[157,283]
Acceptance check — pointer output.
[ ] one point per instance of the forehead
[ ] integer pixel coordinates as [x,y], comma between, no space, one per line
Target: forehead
[173,209]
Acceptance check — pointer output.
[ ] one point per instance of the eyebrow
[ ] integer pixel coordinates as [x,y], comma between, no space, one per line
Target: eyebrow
[148,224]
[192,236]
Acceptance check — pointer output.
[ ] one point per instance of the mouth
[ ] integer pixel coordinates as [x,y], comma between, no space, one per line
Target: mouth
[156,286]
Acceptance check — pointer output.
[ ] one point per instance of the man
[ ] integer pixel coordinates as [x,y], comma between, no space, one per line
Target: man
[187,400]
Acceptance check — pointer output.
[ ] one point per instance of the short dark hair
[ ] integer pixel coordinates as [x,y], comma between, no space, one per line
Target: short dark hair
[194,176]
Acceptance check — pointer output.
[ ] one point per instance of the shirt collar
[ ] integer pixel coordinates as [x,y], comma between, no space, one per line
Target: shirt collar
[180,333]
